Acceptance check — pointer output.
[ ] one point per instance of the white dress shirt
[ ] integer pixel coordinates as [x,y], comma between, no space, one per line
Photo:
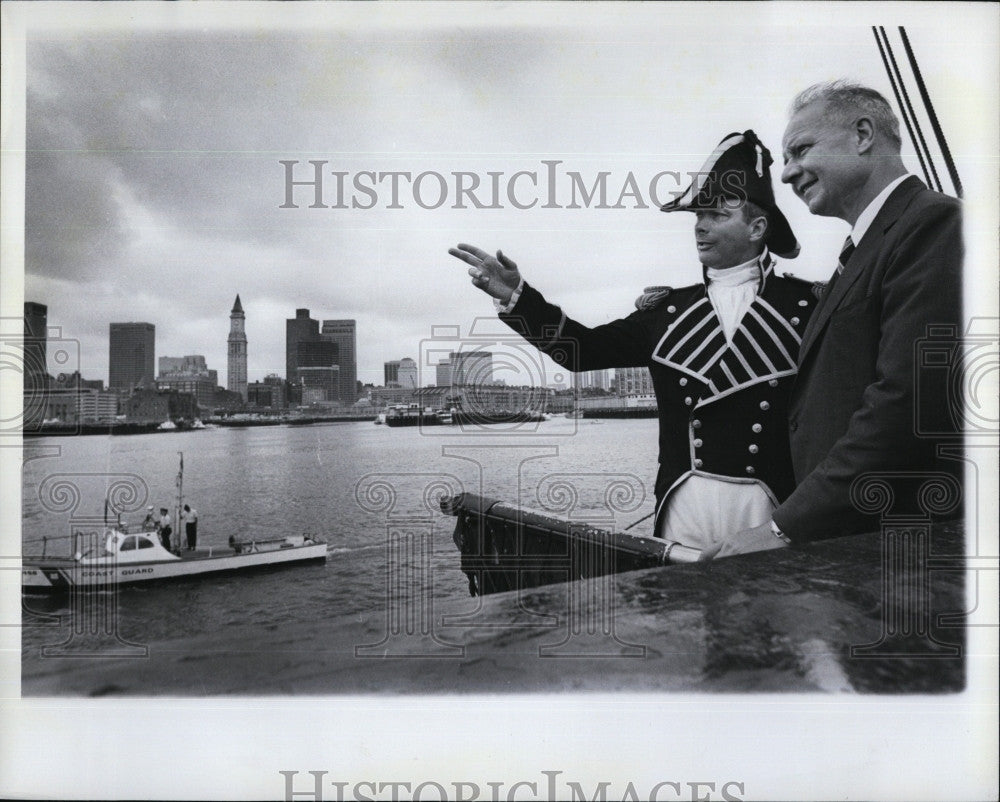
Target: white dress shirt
[865,219]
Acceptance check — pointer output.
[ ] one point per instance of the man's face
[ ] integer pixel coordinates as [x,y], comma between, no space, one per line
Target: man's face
[821,161]
[722,237]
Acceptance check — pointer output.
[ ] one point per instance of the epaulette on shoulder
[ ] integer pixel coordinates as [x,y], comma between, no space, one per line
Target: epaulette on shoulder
[817,288]
[652,297]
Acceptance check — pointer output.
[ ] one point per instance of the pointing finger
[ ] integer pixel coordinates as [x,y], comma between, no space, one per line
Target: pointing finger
[468,258]
[478,252]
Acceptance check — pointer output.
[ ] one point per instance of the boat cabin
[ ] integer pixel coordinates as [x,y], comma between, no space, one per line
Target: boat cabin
[135,546]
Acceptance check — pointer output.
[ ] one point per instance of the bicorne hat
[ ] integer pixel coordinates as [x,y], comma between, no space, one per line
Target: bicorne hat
[737,171]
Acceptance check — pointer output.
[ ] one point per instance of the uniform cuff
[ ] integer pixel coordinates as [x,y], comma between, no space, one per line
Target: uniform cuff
[514,297]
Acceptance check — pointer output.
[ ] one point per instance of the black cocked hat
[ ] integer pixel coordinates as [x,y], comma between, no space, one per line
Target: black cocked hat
[739,170]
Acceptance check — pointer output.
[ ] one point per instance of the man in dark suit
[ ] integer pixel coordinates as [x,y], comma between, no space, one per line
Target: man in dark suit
[854,404]
[721,353]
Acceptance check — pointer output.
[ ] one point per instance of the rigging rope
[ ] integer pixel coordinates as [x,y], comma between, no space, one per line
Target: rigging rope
[938,133]
[906,109]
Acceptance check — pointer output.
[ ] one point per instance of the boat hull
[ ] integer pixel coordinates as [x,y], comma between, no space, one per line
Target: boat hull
[59,575]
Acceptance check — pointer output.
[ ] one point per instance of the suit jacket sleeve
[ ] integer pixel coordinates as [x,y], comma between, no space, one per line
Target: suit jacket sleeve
[621,343]
[920,285]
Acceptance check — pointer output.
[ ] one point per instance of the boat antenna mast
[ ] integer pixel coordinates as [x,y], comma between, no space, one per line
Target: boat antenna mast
[180,501]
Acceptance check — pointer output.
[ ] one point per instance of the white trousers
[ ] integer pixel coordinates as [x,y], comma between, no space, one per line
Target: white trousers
[703,510]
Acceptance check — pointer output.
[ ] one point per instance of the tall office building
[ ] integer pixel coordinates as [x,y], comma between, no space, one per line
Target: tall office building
[237,375]
[344,334]
[442,373]
[472,367]
[597,379]
[132,356]
[36,375]
[301,328]
[318,370]
[391,373]
[36,317]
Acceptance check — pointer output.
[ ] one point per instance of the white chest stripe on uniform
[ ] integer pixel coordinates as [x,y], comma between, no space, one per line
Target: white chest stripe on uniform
[764,347]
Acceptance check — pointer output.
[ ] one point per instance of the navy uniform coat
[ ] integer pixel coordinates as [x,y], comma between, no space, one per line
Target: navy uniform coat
[855,402]
[723,409]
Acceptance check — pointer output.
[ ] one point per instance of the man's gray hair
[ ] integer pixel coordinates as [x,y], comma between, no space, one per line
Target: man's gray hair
[847,99]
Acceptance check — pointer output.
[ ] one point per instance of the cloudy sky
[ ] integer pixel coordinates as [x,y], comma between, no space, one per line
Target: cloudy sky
[153,174]
[149,140]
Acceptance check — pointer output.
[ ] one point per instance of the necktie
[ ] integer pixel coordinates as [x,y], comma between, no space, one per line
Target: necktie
[845,254]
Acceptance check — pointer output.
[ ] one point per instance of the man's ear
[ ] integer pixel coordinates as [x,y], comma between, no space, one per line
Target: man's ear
[864,134]
[758,228]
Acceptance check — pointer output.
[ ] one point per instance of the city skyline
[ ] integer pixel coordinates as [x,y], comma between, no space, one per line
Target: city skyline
[166,201]
[189,349]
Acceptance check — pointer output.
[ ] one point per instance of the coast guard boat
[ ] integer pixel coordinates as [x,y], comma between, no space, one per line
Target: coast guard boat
[116,556]
[126,558]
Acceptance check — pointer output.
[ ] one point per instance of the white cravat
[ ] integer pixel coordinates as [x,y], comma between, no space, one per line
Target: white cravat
[731,291]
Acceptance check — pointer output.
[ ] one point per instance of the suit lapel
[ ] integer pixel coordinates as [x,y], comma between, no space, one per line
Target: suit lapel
[863,256]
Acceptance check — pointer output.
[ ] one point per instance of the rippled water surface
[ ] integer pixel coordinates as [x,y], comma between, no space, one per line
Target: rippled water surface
[352,483]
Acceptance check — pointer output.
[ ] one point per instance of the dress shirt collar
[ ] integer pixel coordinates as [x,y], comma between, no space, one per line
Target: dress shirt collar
[866,218]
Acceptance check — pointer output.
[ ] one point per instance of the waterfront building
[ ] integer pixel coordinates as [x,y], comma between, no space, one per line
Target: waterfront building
[131,357]
[386,396]
[268,394]
[344,334]
[188,374]
[70,381]
[151,406]
[224,401]
[97,406]
[201,387]
[634,381]
[320,384]
[236,377]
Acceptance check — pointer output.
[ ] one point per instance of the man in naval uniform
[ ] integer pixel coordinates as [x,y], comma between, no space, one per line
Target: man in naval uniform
[722,353]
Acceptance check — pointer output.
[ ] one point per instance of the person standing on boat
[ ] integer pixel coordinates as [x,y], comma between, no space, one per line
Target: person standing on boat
[721,353]
[191,527]
[164,529]
[149,522]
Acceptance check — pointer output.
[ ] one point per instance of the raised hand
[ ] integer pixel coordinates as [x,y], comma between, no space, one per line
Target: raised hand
[497,276]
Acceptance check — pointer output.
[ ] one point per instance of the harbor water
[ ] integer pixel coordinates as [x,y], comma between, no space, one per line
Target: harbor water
[356,485]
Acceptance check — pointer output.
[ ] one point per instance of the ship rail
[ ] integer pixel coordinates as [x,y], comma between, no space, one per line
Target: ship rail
[73,540]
